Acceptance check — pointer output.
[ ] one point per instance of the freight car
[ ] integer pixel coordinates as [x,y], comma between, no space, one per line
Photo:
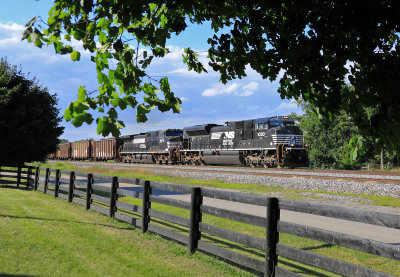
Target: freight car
[81,150]
[63,152]
[106,149]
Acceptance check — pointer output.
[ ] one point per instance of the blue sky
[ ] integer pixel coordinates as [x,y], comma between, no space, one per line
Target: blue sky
[205,100]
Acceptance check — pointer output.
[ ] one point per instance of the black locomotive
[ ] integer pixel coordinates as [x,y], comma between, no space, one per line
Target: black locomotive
[267,142]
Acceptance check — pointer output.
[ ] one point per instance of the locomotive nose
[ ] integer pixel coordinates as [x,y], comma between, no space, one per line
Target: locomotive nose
[289,130]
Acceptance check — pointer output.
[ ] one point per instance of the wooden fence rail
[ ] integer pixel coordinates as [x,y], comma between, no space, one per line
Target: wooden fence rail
[106,195]
[16,175]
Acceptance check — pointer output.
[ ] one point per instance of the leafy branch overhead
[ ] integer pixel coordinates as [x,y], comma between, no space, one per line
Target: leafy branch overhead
[315,48]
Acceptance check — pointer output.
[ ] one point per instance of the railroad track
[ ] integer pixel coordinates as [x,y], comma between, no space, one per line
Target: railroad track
[327,175]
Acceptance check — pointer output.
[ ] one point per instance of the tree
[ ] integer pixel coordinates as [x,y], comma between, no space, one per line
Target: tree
[338,142]
[318,46]
[328,140]
[28,118]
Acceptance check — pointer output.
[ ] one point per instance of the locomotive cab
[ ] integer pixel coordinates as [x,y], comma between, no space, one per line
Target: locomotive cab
[170,139]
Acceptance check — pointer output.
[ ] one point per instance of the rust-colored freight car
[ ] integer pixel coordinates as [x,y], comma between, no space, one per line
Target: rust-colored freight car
[64,151]
[81,150]
[106,149]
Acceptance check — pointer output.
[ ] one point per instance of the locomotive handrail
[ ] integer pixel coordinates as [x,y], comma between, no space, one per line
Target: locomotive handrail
[284,144]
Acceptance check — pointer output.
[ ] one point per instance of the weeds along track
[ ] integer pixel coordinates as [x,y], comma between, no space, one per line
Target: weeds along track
[332,175]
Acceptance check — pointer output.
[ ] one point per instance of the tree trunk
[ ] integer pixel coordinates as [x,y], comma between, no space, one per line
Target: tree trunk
[382,158]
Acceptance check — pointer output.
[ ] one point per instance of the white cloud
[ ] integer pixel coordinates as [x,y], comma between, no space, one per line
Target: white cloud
[219,89]
[235,89]
[250,108]
[286,108]
[10,33]
[184,99]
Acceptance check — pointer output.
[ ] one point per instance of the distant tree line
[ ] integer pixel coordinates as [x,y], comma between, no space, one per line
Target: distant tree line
[336,142]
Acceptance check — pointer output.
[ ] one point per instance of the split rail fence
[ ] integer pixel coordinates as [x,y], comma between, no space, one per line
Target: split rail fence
[105,195]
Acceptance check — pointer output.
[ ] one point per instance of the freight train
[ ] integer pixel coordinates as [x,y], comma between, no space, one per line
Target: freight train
[263,142]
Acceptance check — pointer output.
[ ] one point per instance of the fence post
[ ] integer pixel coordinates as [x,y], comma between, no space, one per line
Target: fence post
[271,258]
[18,176]
[71,186]
[89,190]
[28,176]
[195,219]
[57,185]
[37,172]
[146,206]
[46,180]
[113,196]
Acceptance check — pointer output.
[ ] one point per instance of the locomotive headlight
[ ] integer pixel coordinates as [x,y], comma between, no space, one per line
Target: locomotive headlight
[292,145]
[305,145]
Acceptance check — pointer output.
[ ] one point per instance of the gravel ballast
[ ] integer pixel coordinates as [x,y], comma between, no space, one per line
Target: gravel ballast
[302,181]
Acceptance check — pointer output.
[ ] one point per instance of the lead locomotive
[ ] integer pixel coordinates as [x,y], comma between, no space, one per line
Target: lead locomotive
[268,142]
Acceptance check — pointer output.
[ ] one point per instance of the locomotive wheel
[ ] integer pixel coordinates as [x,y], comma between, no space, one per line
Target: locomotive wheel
[265,165]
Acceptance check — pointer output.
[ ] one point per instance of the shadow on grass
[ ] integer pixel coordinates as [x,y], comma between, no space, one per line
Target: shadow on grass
[21,187]
[325,245]
[64,220]
[15,275]
[302,270]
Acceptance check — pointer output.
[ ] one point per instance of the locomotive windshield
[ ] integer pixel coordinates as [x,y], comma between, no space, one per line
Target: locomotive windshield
[276,123]
[174,133]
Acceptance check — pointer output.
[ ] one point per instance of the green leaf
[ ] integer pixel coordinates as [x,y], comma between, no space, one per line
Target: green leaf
[75,56]
[68,112]
[113,113]
[142,110]
[100,125]
[152,6]
[81,94]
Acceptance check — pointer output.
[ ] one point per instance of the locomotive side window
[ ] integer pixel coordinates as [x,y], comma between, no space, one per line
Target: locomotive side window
[262,126]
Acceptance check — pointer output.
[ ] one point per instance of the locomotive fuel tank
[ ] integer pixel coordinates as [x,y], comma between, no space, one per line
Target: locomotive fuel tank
[223,157]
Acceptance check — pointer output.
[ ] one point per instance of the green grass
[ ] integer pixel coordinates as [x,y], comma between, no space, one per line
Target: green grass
[43,236]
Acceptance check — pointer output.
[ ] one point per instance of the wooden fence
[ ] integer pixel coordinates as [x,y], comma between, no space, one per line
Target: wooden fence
[16,175]
[105,195]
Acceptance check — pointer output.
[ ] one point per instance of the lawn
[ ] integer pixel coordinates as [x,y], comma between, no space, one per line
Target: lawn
[43,236]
